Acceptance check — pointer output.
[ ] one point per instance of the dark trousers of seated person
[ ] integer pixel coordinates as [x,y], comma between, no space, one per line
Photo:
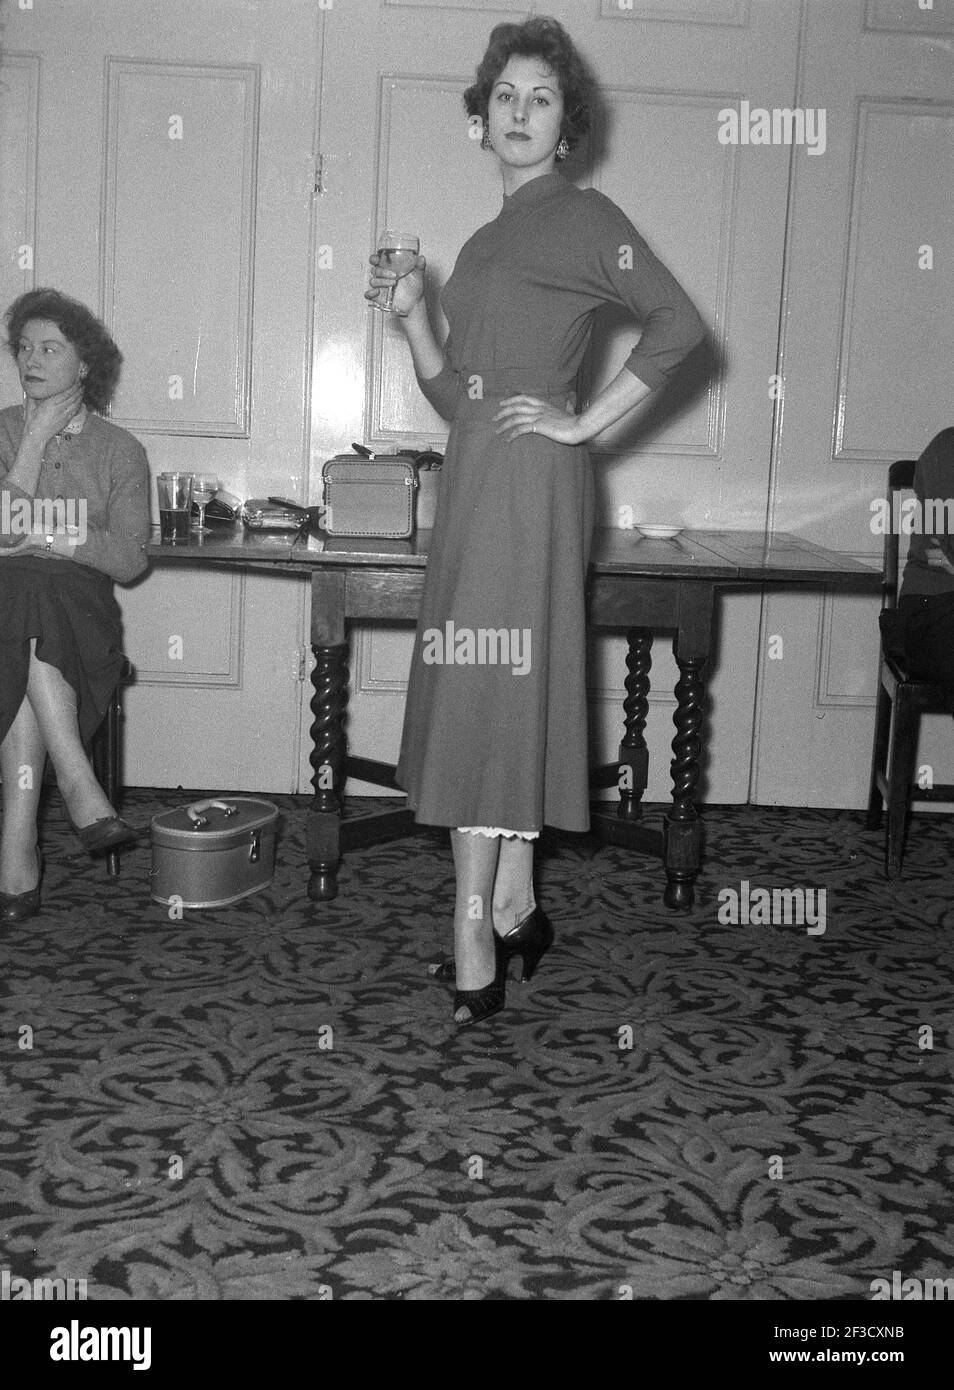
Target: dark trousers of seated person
[927,625]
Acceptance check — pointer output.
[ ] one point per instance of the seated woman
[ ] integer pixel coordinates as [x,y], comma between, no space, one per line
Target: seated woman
[74,517]
[926,599]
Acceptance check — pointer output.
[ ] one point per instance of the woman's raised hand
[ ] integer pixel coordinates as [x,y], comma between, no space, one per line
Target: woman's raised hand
[408,290]
[46,418]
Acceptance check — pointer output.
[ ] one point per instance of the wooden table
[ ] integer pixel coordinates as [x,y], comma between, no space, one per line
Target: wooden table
[635,585]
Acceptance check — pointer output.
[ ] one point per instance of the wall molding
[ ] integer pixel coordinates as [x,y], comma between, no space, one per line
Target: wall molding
[709,102]
[364,682]
[506,7]
[866,107]
[679,12]
[119,73]
[877,18]
[376,435]
[196,679]
[825,697]
[30,65]
[362,665]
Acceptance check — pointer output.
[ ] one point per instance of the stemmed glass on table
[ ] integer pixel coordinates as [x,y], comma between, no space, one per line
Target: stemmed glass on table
[204,488]
[398,251]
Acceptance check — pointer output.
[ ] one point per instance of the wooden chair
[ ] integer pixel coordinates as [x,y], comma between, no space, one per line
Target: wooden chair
[902,699]
[106,753]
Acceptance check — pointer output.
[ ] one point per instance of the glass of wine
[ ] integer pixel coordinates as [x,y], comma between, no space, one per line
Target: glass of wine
[398,251]
[204,488]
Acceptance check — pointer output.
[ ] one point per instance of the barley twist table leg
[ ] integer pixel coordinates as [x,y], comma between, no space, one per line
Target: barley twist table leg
[329,747]
[683,833]
[633,753]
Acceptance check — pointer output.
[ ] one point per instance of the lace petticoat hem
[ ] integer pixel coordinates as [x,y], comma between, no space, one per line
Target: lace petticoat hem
[496,830]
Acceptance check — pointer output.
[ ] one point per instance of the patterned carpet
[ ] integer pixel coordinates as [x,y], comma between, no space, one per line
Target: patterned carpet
[270,1101]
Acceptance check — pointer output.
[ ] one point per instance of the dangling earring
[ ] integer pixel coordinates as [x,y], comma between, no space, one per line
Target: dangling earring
[562,150]
[485,138]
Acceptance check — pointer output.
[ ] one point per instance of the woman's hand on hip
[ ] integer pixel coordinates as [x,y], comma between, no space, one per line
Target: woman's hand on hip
[408,290]
[530,415]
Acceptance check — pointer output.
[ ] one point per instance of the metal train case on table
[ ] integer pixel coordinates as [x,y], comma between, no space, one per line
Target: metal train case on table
[214,852]
[370,497]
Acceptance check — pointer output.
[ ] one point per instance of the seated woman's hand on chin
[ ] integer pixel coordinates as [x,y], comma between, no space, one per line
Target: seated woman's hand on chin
[43,419]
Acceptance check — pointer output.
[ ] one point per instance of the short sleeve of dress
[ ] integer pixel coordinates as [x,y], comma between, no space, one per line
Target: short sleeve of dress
[631,275]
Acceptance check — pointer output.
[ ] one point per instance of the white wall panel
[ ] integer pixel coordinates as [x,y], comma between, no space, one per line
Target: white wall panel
[19,121]
[901,208]
[180,214]
[706,12]
[909,16]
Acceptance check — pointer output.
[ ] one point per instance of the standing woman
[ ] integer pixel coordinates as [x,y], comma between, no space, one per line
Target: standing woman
[85,484]
[494,742]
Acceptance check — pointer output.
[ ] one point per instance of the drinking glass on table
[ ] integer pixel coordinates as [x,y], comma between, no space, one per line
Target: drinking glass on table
[204,488]
[175,506]
[398,251]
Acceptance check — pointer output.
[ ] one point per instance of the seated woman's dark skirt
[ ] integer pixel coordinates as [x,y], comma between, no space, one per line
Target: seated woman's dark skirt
[927,626]
[71,611]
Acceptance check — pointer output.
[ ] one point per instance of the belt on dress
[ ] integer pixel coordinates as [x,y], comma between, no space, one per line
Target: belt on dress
[475,385]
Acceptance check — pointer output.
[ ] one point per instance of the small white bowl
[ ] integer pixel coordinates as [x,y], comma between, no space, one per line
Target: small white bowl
[658,533]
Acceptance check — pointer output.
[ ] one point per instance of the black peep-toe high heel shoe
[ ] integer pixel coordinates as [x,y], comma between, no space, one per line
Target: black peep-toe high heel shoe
[528,940]
[484,1003]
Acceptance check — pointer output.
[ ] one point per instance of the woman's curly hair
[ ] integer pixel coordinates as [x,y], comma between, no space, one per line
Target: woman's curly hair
[537,37]
[80,327]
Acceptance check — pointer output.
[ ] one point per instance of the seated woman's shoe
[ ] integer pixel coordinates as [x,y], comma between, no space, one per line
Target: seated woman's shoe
[104,834]
[17,907]
[528,940]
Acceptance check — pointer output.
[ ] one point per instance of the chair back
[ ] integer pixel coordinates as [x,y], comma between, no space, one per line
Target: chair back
[900,479]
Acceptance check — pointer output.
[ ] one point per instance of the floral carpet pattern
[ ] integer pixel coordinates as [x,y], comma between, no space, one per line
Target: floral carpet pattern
[270,1101]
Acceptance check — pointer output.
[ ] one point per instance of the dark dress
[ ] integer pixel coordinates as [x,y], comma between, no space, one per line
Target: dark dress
[496,718]
[76,620]
[68,604]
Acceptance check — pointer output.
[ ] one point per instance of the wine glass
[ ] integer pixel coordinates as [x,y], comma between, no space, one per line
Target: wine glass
[398,251]
[204,488]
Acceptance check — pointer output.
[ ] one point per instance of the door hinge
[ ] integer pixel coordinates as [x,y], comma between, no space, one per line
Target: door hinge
[319,183]
[303,655]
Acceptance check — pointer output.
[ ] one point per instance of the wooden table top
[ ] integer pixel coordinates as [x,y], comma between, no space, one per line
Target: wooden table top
[724,556]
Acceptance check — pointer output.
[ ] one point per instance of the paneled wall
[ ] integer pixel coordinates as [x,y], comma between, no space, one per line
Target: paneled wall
[20,92]
[174,129]
[162,163]
[159,164]
[867,342]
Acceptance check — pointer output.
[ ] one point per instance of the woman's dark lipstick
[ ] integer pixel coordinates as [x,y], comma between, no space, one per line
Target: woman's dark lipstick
[517,135]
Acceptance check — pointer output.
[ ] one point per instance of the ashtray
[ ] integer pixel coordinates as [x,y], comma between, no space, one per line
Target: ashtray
[658,533]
